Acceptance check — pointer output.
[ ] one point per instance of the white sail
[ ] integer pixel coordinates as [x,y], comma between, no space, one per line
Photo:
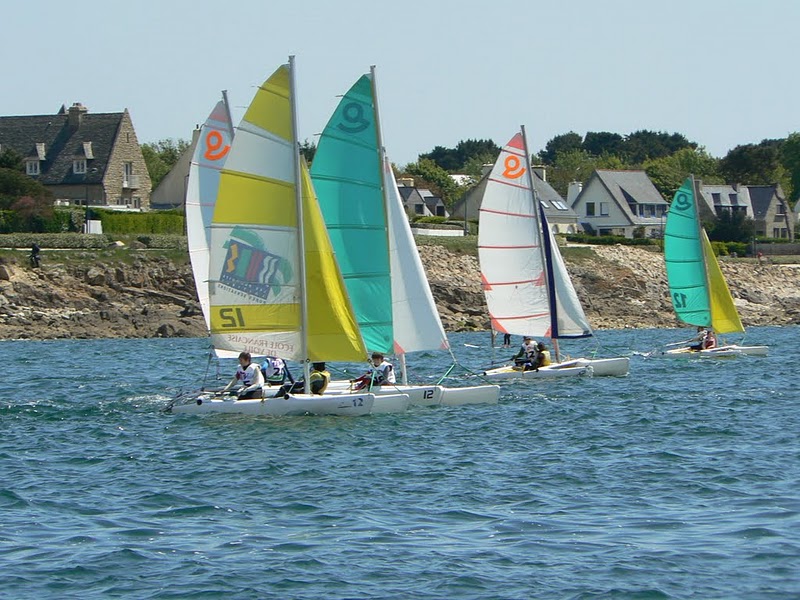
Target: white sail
[210,153]
[417,325]
[512,267]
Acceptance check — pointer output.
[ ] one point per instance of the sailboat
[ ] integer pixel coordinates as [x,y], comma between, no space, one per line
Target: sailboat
[525,281]
[371,236]
[274,284]
[699,292]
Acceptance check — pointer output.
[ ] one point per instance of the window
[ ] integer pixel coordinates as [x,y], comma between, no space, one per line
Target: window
[590,209]
[604,209]
[716,198]
[781,209]
[544,203]
[559,205]
[32,167]
[128,170]
[79,166]
[419,209]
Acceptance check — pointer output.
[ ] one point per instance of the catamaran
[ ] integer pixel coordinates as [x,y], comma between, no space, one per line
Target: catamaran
[699,292]
[375,248]
[274,285]
[525,281]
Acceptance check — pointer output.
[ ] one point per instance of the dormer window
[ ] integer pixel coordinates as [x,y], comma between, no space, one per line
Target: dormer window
[32,167]
[79,166]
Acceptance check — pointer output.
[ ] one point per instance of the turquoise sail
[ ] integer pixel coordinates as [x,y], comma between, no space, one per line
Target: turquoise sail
[685,262]
[346,172]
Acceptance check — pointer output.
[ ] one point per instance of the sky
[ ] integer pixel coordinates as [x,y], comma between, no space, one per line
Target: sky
[721,72]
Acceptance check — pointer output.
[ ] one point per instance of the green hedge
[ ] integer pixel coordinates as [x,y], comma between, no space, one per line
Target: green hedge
[62,220]
[608,240]
[162,222]
[81,241]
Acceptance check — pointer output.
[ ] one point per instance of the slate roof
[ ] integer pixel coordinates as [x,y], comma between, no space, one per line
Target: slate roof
[728,197]
[761,197]
[62,145]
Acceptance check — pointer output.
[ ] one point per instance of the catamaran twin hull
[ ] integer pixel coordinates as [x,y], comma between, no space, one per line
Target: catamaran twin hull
[348,405]
[601,367]
[719,352]
[432,395]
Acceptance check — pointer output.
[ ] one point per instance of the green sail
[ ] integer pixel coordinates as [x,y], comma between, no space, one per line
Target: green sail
[346,172]
[685,263]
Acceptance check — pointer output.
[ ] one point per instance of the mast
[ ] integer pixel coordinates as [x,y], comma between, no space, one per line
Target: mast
[228,112]
[542,233]
[301,244]
[382,153]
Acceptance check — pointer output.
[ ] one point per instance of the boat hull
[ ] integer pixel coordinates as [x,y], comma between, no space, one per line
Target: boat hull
[433,395]
[603,367]
[732,350]
[349,405]
[549,372]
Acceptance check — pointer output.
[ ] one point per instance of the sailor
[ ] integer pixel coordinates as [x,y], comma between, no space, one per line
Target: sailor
[274,370]
[318,381]
[541,359]
[249,375]
[527,351]
[382,372]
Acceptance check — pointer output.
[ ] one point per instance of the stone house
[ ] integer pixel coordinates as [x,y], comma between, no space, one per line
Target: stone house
[771,212]
[87,159]
[560,217]
[619,203]
[720,198]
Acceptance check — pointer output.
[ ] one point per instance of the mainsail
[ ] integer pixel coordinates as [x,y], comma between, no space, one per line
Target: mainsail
[700,295]
[370,232]
[260,299]
[528,290]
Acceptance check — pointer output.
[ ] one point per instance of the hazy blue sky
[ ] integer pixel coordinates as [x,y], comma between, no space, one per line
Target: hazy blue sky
[721,72]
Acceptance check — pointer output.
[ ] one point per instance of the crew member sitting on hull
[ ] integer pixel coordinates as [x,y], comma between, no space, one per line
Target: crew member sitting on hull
[381,373]
[705,340]
[541,358]
[318,381]
[527,352]
[274,370]
[249,375]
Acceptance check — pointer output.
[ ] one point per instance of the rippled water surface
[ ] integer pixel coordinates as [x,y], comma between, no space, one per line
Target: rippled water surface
[679,481]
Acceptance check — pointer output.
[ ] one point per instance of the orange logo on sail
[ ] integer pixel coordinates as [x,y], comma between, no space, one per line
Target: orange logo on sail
[514,167]
[216,147]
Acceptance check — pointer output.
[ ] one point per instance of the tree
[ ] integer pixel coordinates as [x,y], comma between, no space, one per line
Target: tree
[560,144]
[642,145]
[308,150]
[790,159]
[754,164]
[732,226]
[427,173]
[669,172]
[161,156]
[577,165]
[34,211]
[454,160]
[15,185]
[9,159]
[603,142]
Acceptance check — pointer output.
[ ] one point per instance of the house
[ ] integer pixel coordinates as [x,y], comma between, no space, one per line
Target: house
[170,193]
[771,212]
[619,203]
[560,217]
[718,199]
[420,202]
[89,159]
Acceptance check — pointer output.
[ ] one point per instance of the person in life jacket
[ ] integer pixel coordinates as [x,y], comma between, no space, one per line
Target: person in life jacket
[705,340]
[318,381]
[274,370]
[527,352]
[382,372]
[249,375]
[540,359]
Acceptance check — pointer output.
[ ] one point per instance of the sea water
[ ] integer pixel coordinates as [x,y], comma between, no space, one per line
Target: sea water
[681,480]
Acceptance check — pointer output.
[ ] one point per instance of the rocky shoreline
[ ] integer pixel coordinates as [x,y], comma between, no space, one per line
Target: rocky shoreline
[619,286]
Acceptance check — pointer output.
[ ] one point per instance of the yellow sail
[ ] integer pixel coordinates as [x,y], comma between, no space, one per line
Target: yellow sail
[724,316]
[332,329]
[255,288]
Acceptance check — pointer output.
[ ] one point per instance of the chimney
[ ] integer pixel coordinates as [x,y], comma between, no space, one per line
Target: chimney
[75,115]
[405,182]
[575,188]
[486,168]
[540,170]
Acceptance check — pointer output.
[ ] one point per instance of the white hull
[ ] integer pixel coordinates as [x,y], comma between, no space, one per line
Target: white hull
[350,405]
[602,367]
[719,352]
[549,372]
[431,395]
